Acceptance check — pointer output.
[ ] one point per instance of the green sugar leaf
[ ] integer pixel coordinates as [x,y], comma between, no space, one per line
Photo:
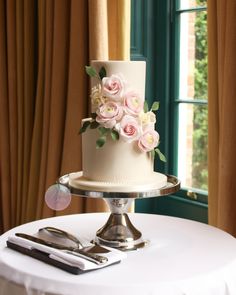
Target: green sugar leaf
[93,116]
[91,71]
[100,142]
[102,73]
[94,125]
[145,106]
[114,135]
[103,130]
[155,106]
[84,127]
[161,156]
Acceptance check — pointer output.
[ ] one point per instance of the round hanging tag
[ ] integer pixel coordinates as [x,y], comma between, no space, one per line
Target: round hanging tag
[58,197]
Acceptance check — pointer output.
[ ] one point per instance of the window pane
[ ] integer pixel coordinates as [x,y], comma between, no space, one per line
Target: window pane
[192,146]
[193,55]
[188,4]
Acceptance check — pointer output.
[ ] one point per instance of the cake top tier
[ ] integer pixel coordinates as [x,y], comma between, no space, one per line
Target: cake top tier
[118,106]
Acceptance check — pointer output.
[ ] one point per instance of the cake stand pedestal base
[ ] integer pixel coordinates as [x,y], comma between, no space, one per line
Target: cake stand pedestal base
[119,232]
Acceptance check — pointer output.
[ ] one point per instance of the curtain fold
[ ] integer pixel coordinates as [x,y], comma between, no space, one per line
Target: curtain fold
[44,94]
[11,68]
[5,168]
[38,144]
[109,29]
[119,29]
[222,119]
[56,97]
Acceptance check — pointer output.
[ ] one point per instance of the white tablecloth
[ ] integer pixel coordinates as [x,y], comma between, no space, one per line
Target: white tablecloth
[183,258]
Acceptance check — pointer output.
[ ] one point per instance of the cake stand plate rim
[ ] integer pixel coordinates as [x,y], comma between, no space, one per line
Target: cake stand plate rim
[172,185]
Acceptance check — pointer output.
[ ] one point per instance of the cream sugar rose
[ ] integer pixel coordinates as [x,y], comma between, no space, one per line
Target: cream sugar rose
[119,140]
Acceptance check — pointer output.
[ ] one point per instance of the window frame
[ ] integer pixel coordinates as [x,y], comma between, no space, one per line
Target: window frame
[157,47]
[175,101]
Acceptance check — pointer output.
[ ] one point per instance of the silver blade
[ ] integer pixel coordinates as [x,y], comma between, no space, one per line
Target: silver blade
[59,233]
[98,259]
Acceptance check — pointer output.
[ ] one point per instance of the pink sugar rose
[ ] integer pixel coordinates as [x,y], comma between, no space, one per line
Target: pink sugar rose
[129,128]
[108,114]
[149,140]
[113,87]
[133,103]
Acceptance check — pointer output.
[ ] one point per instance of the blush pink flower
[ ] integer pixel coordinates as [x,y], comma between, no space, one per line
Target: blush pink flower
[108,114]
[129,128]
[113,87]
[133,103]
[148,141]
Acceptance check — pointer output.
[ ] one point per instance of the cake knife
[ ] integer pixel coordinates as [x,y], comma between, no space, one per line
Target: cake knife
[91,248]
[98,259]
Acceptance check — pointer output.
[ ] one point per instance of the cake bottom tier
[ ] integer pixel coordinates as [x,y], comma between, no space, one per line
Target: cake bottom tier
[156,181]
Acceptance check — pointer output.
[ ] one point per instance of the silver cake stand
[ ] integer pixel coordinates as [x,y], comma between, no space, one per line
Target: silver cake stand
[119,232]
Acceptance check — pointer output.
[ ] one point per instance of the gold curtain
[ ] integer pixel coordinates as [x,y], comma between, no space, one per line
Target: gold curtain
[222,119]
[109,29]
[44,46]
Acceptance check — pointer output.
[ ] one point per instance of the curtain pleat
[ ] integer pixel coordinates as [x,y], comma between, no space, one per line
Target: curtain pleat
[222,119]
[20,104]
[11,65]
[119,29]
[213,113]
[77,102]
[57,96]
[28,95]
[109,29]
[98,30]
[38,143]
[5,169]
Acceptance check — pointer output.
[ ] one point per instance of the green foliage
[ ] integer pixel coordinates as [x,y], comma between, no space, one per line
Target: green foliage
[155,106]
[91,71]
[114,135]
[145,107]
[84,127]
[100,142]
[94,125]
[102,73]
[103,132]
[161,156]
[200,120]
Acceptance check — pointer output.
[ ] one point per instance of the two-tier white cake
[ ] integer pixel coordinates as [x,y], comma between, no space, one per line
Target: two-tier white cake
[119,139]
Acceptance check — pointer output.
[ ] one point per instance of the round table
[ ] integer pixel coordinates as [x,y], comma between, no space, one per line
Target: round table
[183,258]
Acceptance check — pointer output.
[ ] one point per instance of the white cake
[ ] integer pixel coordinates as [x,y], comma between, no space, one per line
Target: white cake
[123,163]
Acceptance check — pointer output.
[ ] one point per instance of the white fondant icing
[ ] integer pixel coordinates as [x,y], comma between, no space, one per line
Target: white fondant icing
[118,166]
[157,181]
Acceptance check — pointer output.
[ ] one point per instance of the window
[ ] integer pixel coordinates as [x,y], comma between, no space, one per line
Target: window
[171,36]
[189,94]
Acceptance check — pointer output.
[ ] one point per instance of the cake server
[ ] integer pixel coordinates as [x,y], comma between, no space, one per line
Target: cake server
[98,259]
[63,234]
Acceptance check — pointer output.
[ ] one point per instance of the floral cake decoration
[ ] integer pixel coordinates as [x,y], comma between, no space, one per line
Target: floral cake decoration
[119,112]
